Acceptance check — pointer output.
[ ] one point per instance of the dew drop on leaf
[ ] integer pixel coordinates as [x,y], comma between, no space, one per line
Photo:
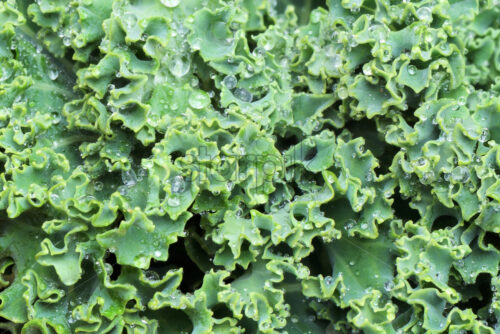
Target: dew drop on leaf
[129,178]
[179,65]
[243,95]
[199,99]
[230,82]
[170,3]
[412,70]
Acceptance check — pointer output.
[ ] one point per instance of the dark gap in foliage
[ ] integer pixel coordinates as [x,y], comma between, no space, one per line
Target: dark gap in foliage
[413,281]
[176,154]
[297,190]
[268,21]
[473,218]
[330,113]
[318,261]
[119,218]
[281,249]
[120,82]
[386,158]
[299,216]
[402,306]
[286,141]
[311,153]
[483,285]
[169,320]
[443,222]
[420,64]
[320,322]
[237,273]
[206,78]
[140,152]
[367,129]
[138,52]
[259,207]
[248,325]
[95,56]
[492,239]
[245,246]
[339,210]
[299,86]
[437,21]
[9,273]
[68,57]
[369,6]
[302,8]
[221,310]
[178,257]
[402,207]
[193,226]
[404,312]
[130,304]
[251,42]
[158,267]
[409,114]
[283,143]
[110,258]
[318,179]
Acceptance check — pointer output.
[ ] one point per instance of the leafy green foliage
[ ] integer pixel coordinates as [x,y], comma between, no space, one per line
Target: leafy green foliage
[249,166]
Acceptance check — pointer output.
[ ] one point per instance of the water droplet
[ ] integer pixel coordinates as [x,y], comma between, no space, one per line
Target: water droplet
[98,185]
[412,69]
[194,82]
[66,41]
[179,65]
[151,275]
[56,117]
[460,174]
[259,52]
[129,20]
[230,82]
[123,190]
[234,26]
[427,177]
[342,93]
[129,178]
[484,135]
[369,177]
[243,95]
[328,280]
[157,253]
[199,99]
[178,184]
[196,44]
[53,74]
[173,202]
[170,3]
[424,14]
[421,161]
[54,198]
[367,70]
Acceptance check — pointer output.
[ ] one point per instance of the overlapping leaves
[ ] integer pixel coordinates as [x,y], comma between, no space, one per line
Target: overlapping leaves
[240,166]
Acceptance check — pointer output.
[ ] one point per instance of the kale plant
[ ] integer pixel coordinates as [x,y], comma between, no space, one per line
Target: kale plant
[250,166]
